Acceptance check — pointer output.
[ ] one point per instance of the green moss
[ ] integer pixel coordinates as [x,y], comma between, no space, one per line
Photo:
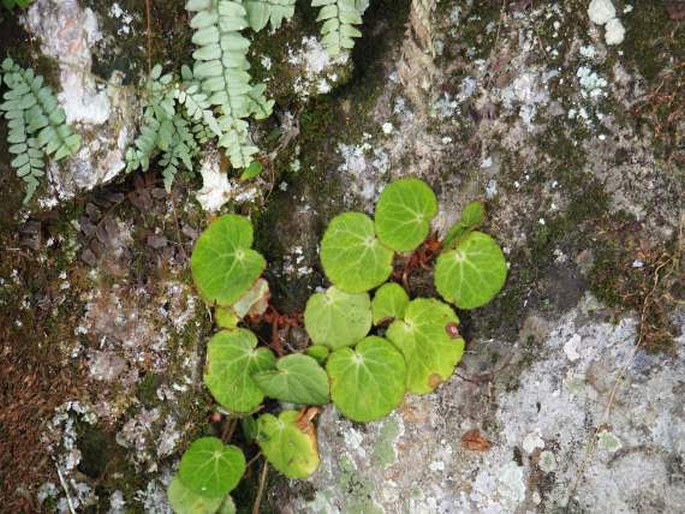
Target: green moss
[649,290]
[653,41]
[147,389]
[478,35]
[170,40]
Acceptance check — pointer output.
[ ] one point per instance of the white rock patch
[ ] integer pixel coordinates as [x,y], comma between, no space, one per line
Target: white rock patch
[603,12]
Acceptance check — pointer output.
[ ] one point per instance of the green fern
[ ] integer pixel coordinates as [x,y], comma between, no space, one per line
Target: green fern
[173,133]
[339,19]
[196,102]
[261,12]
[221,69]
[182,149]
[36,124]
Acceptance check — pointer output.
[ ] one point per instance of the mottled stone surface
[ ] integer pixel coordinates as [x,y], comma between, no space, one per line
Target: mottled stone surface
[528,108]
[104,111]
[570,394]
[598,431]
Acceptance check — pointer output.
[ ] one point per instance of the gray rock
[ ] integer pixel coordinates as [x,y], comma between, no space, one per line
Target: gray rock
[103,113]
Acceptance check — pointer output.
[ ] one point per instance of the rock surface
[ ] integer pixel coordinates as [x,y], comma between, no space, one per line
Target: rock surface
[598,431]
[569,397]
[103,111]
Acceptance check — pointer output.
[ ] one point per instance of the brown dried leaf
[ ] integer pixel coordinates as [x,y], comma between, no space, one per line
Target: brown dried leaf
[475,441]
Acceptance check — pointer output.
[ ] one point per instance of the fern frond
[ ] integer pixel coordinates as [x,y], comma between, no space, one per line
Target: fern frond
[260,107]
[221,60]
[177,118]
[159,110]
[261,12]
[221,70]
[236,140]
[181,150]
[339,18]
[36,124]
[196,102]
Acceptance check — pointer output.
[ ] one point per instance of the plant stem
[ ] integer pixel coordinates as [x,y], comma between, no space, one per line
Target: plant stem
[260,490]
[229,429]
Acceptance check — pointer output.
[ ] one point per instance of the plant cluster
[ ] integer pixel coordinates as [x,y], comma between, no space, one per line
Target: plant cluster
[366,351]
[217,95]
[212,101]
[36,124]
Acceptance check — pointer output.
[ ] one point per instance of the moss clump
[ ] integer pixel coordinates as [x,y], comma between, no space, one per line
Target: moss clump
[627,277]
[655,45]
[169,38]
[479,31]
[653,42]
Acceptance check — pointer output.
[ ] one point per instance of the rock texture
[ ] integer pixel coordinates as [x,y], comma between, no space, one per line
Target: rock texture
[570,394]
[104,111]
[576,416]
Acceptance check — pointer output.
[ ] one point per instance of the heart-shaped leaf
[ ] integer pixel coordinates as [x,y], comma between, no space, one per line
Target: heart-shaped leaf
[429,343]
[352,256]
[473,273]
[184,501]
[225,317]
[232,359]
[337,319]
[224,266]
[289,443]
[297,378]
[368,381]
[389,302]
[472,216]
[211,468]
[319,352]
[404,212]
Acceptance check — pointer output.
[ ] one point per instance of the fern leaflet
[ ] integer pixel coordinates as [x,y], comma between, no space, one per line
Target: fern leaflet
[221,69]
[261,12]
[165,128]
[339,19]
[36,124]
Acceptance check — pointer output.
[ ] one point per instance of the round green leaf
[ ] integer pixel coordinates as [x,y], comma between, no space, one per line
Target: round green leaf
[473,214]
[223,265]
[367,382]
[426,339]
[389,302]
[404,212]
[319,352]
[184,501]
[297,378]
[351,255]
[289,443]
[337,319]
[254,169]
[473,273]
[232,359]
[225,317]
[210,468]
